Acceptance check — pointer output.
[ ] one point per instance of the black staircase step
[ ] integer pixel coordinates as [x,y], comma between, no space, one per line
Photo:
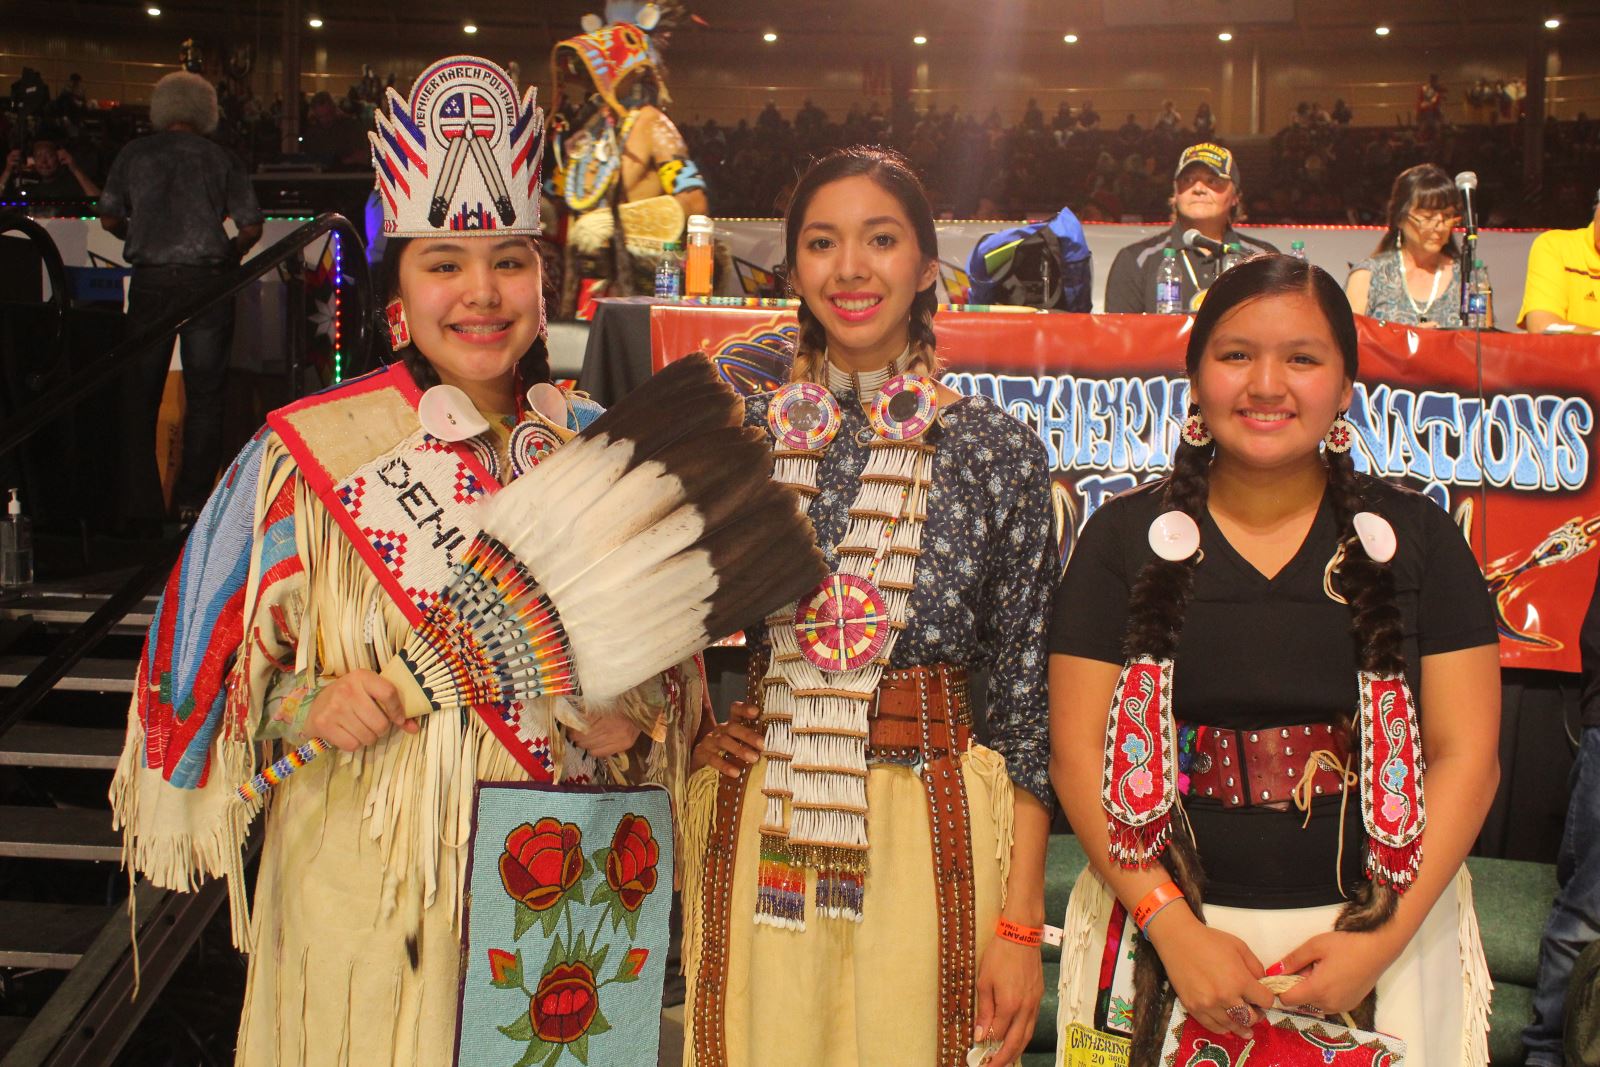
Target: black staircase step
[61,611]
[37,744]
[87,675]
[49,936]
[58,834]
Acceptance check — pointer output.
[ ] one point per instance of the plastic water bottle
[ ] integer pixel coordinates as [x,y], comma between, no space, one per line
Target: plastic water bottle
[1169,286]
[1297,249]
[1231,257]
[669,273]
[1480,298]
[16,547]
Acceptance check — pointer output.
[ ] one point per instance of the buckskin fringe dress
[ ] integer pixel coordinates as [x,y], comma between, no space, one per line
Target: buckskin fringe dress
[355,941]
[842,992]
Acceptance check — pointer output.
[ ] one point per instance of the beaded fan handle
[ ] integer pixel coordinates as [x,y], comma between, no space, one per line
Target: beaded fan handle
[256,789]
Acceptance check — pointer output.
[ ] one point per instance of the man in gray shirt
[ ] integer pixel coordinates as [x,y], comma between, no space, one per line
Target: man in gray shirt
[166,197]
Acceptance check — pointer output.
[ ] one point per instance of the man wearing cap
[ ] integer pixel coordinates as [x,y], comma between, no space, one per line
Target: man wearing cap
[1562,294]
[1205,197]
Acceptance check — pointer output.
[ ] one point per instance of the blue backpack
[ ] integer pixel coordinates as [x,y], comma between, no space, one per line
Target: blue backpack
[1038,264]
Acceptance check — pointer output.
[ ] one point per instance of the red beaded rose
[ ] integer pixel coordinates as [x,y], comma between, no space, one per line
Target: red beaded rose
[541,862]
[631,863]
[565,1003]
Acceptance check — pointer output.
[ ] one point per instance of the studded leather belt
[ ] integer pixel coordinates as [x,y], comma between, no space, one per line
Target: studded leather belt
[917,703]
[1263,768]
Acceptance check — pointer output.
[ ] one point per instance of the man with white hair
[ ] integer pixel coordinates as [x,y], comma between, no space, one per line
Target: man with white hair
[167,197]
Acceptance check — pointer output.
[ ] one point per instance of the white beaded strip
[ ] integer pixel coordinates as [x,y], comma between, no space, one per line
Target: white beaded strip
[816,723]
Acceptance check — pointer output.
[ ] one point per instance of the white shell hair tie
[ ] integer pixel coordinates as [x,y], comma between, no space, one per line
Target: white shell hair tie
[1377,536]
[1174,536]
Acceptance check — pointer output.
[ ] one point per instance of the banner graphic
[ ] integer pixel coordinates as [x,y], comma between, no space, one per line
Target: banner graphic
[1509,454]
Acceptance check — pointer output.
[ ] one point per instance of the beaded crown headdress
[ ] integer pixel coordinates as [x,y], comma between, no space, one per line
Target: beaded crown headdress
[462,152]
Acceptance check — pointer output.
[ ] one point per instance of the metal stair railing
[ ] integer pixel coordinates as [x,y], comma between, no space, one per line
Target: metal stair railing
[55,403]
[91,1016]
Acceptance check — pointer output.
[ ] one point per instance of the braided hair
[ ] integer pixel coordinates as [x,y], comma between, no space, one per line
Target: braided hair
[1160,596]
[891,171]
[532,368]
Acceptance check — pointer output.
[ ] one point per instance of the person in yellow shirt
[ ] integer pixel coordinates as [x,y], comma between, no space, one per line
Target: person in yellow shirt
[1562,294]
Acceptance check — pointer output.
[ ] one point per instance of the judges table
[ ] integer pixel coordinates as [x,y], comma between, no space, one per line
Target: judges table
[1497,428]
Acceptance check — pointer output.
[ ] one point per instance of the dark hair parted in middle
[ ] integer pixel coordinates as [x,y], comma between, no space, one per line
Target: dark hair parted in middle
[892,173]
[1263,276]
[1425,187]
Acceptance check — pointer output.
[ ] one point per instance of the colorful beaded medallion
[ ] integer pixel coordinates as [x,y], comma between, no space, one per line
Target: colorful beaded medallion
[803,416]
[905,408]
[842,624]
[530,443]
[486,454]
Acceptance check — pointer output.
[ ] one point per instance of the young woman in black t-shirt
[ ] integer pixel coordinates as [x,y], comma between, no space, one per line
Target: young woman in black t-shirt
[1287,609]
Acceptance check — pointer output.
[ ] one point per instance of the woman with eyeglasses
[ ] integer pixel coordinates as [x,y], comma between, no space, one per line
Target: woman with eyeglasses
[1413,278]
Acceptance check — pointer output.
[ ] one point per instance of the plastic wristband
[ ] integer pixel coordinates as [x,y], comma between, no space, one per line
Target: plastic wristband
[1027,936]
[1153,902]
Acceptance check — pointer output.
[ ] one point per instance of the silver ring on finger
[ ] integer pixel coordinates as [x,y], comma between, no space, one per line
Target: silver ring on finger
[1241,1014]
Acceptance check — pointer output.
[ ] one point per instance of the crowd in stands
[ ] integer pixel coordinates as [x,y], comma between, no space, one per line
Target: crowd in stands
[1321,167]
[975,167]
[38,126]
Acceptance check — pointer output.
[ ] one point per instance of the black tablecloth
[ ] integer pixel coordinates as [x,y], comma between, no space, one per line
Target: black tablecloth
[618,354]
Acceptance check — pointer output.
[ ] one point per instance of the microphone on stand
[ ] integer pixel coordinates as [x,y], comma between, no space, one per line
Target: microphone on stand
[1467,182]
[1193,238]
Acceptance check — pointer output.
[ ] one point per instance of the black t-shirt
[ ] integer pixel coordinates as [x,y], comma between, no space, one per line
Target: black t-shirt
[1258,653]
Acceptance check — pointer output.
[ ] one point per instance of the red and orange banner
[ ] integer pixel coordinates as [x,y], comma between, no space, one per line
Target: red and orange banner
[1499,429]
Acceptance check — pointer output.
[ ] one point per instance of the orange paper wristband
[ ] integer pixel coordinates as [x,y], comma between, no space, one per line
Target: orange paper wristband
[1027,936]
[1154,901]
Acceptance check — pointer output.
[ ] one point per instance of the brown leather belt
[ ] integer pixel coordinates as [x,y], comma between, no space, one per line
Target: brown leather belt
[926,709]
[915,698]
[1263,768]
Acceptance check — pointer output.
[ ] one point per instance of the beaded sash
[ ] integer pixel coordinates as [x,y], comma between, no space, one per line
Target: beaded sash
[815,792]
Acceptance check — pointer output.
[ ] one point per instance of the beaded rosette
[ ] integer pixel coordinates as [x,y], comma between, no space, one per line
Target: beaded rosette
[830,648]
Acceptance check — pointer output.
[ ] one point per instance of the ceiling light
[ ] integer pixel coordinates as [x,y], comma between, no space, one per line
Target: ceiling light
[153,12]
[919,39]
[470,27]
[1071,38]
[1224,36]
[314,22]
[1552,24]
[769,37]
[1382,31]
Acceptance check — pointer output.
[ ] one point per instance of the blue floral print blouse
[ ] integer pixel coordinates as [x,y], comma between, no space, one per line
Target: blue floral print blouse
[988,569]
